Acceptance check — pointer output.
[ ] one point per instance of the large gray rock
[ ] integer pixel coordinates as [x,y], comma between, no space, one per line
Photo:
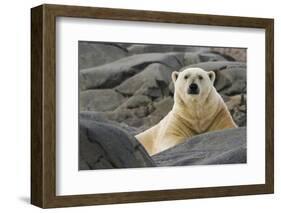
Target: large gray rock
[94,54]
[207,56]
[221,147]
[140,112]
[161,109]
[133,111]
[237,106]
[134,117]
[113,74]
[137,101]
[191,58]
[142,48]
[152,82]
[103,118]
[216,65]
[100,100]
[106,146]
[233,54]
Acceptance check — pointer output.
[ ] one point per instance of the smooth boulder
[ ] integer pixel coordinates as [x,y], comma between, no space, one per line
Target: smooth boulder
[106,146]
[220,147]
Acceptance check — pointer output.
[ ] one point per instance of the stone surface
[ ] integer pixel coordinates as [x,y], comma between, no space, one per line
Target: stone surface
[112,74]
[137,101]
[95,54]
[210,57]
[103,117]
[233,54]
[106,146]
[140,48]
[155,75]
[100,100]
[161,109]
[221,147]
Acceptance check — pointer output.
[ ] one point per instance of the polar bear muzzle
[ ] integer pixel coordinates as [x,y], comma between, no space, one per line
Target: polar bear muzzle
[193,89]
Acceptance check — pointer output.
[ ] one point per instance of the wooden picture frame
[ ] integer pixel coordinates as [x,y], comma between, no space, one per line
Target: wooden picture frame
[43,105]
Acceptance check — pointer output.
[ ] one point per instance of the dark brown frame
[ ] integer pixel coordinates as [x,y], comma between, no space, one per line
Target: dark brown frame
[43,105]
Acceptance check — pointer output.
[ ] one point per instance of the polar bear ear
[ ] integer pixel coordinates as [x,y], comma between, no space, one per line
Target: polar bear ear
[212,76]
[175,75]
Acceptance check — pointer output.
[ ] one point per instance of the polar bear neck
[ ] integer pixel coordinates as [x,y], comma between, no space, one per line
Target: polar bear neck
[198,113]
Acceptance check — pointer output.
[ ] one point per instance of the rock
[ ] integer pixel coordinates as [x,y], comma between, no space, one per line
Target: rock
[163,106]
[103,118]
[207,56]
[221,147]
[141,112]
[106,146]
[232,54]
[234,101]
[150,89]
[137,101]
[239,116]
[191,58]
[133,111]
[100,100]
[93,116]
[143,115]
[131,117]
[112,74]
[93,54]
[217,65]
[161,109]
[237,75]
[125,45]
[237,107]
[155,76]
[157,48]
[171,88]
[243,108]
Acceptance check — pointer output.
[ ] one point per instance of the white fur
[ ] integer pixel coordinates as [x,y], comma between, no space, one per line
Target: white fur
[191,114]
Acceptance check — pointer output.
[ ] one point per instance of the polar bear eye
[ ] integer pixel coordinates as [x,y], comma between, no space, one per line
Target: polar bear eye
[200,77]
[186,76]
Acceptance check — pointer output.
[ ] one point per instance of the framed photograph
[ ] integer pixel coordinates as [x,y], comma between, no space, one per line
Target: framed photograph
[136,106]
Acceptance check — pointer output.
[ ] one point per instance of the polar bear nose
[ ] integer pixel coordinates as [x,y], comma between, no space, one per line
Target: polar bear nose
[193,87]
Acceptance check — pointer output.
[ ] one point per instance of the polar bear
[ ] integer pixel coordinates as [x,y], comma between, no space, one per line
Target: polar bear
[198,108]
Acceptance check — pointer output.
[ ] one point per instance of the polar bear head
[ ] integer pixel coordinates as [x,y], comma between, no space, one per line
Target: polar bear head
[193,83]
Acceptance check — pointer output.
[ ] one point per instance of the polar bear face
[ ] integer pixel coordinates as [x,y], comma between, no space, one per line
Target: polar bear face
[193,83]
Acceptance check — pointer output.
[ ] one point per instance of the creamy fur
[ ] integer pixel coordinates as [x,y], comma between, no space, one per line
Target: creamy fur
[191,114]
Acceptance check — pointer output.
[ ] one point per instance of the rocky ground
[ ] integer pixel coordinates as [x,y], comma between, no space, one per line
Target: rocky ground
[128,87]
